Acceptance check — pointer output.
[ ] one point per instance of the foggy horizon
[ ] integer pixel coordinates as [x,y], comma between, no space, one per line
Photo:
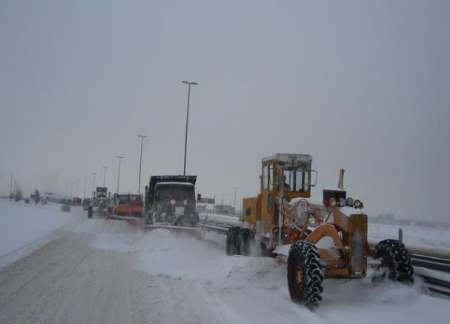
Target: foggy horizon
[359,85]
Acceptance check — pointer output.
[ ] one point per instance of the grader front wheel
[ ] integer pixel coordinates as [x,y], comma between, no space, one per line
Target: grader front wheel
[304,274]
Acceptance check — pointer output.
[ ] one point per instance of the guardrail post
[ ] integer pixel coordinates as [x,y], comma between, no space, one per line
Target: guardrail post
[400,234]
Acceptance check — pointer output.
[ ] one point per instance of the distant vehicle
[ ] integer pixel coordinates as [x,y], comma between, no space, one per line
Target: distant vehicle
[76,201]
[171,200]
[101,192]
[65,208]
[52,197]
[224,209]
[128,205]
[85,203]
[18,195]
[100,204]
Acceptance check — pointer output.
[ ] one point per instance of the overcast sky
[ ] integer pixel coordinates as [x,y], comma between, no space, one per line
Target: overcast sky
[362,85]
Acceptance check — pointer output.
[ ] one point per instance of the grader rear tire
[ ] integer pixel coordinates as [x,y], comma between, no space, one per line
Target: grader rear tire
[304,274]
[245,239]
[232,246]
[394,256]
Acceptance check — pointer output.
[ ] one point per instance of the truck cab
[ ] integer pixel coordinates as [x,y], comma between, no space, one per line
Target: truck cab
[171,200]
[128,205]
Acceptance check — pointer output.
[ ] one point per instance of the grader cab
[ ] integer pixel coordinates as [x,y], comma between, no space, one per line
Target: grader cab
[327,239]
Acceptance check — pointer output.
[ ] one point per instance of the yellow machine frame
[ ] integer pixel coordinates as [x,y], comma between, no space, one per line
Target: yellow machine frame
[275,208]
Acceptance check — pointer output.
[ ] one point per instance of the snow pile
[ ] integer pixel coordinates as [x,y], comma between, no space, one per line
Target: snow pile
[254,289]
[119,242]
[167,254]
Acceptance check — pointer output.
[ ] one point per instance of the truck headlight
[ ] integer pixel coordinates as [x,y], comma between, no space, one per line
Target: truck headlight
[185,202]
[172,202]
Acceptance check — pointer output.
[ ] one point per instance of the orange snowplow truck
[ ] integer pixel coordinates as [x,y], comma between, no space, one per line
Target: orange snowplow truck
[128,205]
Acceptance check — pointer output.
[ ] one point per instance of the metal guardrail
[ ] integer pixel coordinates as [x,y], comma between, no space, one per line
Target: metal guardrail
[431,262]
[434,280]
[435,285]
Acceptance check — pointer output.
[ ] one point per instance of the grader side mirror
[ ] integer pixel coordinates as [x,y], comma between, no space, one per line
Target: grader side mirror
[314,176]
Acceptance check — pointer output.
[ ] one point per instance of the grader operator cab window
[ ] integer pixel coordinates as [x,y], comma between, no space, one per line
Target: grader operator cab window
[267,177]
[294,180]
[288,172]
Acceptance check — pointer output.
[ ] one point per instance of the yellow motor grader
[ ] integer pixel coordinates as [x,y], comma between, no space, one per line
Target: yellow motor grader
[324,240]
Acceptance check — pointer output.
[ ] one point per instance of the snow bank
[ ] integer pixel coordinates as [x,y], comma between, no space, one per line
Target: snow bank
[24,227]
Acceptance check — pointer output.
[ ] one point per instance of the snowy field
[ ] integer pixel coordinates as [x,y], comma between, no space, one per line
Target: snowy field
[413,236]
[99,271]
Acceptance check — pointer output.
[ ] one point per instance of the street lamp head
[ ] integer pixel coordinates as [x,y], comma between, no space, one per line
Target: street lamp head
[189,82]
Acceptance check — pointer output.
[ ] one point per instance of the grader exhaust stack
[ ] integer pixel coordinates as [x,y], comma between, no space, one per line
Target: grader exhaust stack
[341,179]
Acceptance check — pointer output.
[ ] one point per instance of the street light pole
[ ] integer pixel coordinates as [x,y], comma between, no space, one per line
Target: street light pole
[93,182]
[11,186]
[85,184]
[78,187]
[105,168]
[140,162]
[189,83]
[118,172]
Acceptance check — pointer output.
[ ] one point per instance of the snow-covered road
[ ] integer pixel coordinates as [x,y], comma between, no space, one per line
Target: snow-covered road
[99,271]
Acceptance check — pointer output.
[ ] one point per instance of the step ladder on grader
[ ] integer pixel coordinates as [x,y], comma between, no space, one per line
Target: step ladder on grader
[282,216]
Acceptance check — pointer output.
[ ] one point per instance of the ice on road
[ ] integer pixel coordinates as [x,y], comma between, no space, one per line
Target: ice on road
[109,272]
